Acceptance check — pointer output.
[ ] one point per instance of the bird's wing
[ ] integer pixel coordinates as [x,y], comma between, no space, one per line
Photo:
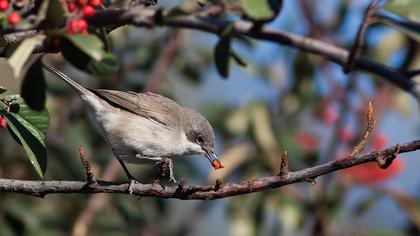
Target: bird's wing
[149,105]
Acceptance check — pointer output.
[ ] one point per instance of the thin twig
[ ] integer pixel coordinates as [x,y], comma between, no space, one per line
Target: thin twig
[356,49]
[284,165]
[92,183]
[370,123]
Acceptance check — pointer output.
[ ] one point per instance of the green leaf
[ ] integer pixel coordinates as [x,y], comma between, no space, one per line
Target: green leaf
[107,64]
[8,80]
[90,44]
[2,90]
[29,128]
[55,14]
[19,57]
[33,87]
[32,140]
[222,52]
[409,9]
[258,9]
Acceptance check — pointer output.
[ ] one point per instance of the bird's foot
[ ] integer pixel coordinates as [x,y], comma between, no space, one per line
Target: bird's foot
[166,165]
[131,185]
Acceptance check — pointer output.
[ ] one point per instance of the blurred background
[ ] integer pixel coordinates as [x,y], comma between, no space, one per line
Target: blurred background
[283,99]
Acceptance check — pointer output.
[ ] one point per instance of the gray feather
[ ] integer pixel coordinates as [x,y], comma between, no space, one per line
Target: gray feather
[149,105]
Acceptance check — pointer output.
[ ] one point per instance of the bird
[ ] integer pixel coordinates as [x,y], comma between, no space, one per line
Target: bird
[145,128]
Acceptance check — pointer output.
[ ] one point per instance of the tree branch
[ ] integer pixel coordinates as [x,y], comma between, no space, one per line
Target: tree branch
[200,21]
[207,192]
[142,17]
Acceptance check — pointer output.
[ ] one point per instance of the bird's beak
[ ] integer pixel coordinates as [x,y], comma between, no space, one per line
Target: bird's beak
[214,160]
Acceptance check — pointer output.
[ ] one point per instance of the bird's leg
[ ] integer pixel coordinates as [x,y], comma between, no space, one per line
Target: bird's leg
[162,161]
[171,169]
[130,177]
[164,165]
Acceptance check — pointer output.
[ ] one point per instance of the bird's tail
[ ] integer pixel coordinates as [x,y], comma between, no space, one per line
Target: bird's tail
[61,75]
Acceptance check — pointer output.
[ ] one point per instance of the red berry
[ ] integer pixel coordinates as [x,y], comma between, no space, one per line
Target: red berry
[81,2]
[82,25]
[3,123]
[95,3]
[88,11]
[346,134]
[307,141]
[71,7]
[13,18]
[329,115]
[380,141]
[4,5]
[77,26]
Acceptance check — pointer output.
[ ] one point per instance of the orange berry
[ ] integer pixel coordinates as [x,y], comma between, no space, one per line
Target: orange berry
[13,18]
[217,164]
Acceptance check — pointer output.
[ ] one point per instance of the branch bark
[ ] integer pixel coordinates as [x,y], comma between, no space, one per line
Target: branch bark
[207,192]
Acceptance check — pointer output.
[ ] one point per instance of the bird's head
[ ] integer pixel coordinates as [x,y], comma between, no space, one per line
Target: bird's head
[200,135]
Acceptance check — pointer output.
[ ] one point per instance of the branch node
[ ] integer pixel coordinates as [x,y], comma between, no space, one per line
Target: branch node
[284,166]
[386,160]
[370,124]
[218,185]
[311,181]
[91,180]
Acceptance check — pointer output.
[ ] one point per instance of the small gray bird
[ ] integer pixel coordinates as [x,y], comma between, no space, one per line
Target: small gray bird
[146,127]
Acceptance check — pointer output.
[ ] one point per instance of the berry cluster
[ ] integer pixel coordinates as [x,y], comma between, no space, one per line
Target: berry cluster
[3,123]
[10,10]
[80,9]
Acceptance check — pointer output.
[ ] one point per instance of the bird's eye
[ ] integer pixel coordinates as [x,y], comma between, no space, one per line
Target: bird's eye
[200,139]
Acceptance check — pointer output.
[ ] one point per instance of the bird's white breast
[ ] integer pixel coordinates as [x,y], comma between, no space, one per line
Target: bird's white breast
[131,134]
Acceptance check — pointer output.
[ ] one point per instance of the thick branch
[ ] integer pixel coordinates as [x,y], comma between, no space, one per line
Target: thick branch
[147,18]
[41,188]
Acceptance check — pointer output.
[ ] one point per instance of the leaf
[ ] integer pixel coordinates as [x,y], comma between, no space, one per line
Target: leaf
[222,51]
[55,14]
[31,140]
[107,64]
[33,87]
[258,9]
[19,57]
[90,44]
[409,9]
[7,79]
[29,127]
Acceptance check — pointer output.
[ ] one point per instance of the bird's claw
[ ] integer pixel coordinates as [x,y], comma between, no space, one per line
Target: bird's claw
[172,179]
